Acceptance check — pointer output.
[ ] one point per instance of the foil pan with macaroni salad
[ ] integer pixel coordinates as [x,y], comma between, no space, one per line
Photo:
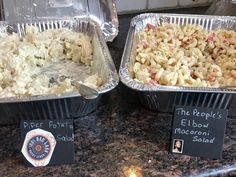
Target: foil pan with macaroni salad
[164,98]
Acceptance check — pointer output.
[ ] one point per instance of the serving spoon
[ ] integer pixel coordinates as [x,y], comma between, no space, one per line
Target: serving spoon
[84,90]
[55,76]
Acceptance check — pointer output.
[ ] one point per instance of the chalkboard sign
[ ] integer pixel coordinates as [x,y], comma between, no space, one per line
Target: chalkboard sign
[198,131]
[47,142]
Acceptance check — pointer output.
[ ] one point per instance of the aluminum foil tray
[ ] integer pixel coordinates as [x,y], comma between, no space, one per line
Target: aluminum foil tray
[103,12]
[165,98]
[68,105]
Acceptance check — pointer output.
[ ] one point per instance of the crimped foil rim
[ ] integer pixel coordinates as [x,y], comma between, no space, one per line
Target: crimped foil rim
[103,12]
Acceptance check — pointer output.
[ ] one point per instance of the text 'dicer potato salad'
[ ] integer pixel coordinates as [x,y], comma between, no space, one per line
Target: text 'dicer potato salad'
[187,55]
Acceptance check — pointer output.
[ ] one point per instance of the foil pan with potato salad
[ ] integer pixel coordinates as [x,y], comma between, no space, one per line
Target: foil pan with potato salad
[48,90]
[52,99]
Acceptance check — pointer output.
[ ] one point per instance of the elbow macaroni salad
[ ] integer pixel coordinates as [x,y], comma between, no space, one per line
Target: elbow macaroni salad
[185,56]
[22,60]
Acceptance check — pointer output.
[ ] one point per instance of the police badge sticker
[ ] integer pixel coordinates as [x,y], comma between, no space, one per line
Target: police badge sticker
[38,147]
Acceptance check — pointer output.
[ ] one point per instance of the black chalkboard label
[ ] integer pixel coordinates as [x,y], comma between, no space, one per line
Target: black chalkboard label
[198,131]
[47,142]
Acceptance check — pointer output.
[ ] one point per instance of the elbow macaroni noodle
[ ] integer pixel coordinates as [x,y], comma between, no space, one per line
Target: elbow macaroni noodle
[187,55]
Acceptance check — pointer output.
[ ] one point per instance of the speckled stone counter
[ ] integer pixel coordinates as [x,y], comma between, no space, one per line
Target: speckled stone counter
[120,136]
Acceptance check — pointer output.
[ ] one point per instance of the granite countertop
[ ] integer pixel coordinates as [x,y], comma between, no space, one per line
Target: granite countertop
[120,136]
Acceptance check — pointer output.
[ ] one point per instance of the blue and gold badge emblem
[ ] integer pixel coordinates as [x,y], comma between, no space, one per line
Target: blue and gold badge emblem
[38,147]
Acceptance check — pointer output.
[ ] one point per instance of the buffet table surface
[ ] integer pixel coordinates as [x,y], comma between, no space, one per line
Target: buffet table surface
[121,136]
